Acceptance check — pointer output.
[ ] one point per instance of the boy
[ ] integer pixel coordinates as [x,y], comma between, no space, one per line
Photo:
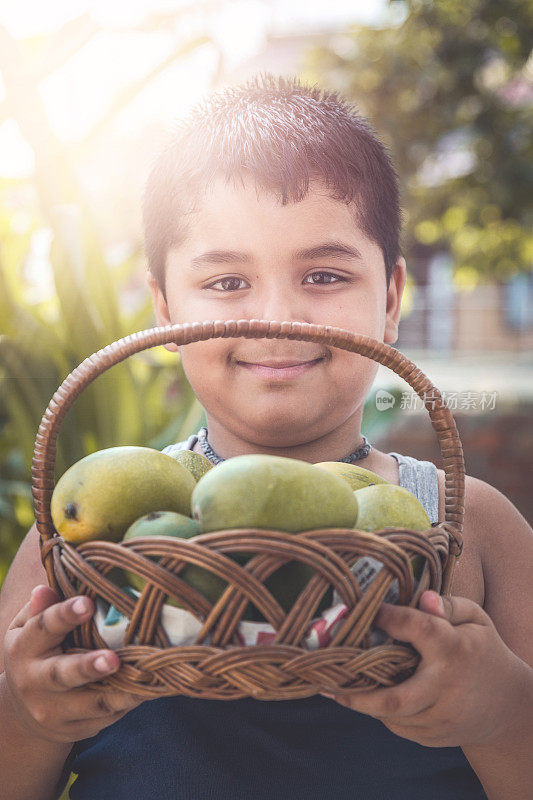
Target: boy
[276,201]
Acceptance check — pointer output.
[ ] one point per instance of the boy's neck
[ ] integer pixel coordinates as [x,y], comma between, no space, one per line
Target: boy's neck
[332,447]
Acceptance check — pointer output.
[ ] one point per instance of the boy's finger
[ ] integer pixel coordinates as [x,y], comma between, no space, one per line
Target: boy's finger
[414,696]
[61,673]
[425,632]
[92,727]
[47,629]
[40,598]
[89,704]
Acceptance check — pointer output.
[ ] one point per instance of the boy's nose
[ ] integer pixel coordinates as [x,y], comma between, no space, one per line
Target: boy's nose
[280,305]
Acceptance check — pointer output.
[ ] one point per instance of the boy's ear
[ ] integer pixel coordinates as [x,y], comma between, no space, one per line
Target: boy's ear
[394,301]
[160,308]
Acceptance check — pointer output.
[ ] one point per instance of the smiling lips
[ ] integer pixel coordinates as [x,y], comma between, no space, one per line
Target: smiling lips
[280,370]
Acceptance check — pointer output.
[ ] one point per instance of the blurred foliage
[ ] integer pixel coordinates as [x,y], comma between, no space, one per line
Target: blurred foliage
[450,91]
[144,400]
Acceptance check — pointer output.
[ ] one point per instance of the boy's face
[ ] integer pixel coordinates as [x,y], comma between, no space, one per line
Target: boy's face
[247,256]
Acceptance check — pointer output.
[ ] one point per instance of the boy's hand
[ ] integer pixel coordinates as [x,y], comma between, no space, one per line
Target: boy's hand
[45,686]
[467,687]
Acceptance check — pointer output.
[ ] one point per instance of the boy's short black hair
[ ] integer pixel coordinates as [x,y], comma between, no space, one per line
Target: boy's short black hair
[282,133]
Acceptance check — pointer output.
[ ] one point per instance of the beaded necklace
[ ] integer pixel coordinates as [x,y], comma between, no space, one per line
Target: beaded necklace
[209,453]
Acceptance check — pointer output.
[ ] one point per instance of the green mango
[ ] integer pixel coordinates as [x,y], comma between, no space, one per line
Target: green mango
[272,492]
[162,523]
[286,584]
[169,523]
[356,476]
[196,463]
[387,505]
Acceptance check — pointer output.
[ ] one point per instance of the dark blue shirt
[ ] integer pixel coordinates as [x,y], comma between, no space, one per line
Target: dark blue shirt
[310,749]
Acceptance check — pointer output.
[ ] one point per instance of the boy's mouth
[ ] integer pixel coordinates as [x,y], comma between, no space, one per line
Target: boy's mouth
[279,370]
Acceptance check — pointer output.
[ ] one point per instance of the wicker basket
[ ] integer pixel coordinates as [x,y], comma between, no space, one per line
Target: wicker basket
[224,669]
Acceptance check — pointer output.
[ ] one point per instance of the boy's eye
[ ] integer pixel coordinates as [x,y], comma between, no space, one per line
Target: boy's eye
[231,284]
[228,284]
[327,275]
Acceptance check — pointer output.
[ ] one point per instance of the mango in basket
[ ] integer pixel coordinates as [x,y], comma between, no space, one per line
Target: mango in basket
[272,492]
[196,463]
[389,506]
[101,495]
[356,476]
[169,523]
[286,584]
[162,523]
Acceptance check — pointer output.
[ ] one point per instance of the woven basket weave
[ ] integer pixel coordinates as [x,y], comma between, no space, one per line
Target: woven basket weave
[224,669]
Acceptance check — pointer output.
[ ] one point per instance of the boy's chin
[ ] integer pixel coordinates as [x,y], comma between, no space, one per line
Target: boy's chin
[282,430]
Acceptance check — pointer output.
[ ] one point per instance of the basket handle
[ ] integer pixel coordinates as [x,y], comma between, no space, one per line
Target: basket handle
[186,333]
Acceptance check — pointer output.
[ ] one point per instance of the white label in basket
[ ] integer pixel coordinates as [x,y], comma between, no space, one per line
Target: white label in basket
[365,570]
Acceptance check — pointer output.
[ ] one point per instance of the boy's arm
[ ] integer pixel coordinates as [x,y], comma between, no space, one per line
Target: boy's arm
[505,766]
[32,766]
[474,685]
[44,704]
[29,766]
[506,548]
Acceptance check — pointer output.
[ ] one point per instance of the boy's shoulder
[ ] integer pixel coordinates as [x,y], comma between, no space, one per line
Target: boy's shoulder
[491,521]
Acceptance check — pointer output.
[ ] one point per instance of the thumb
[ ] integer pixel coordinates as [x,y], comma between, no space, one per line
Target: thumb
[457,610]
[432,603]
[41,597]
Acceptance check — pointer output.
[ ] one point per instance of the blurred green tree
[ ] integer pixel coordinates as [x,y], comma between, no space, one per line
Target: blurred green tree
[145,400]
[450,90]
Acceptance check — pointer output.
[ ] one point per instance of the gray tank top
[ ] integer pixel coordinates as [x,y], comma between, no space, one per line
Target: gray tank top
[420,477]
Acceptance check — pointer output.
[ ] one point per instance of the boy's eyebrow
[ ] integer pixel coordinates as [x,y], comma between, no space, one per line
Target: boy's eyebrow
[328,250]
[325,250]
[220,257]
